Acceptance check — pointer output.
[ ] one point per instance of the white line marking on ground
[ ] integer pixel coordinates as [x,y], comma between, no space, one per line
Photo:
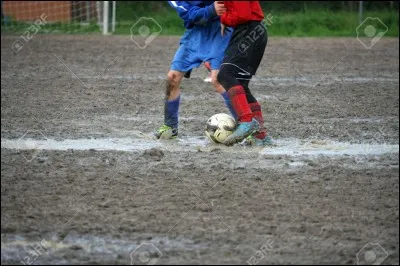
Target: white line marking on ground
[295,147]
[291,147]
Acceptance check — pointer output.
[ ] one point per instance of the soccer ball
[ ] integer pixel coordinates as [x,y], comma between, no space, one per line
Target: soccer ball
[219,127]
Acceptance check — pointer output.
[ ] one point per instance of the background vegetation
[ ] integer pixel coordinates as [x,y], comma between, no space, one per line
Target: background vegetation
[287,18]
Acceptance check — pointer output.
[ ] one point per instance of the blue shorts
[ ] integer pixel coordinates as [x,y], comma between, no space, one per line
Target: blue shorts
[202,43]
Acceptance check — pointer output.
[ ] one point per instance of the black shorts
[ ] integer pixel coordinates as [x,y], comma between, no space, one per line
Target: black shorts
[246,48]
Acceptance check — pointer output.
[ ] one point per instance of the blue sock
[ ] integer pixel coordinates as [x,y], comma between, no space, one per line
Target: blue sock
[171,109]
[229,104]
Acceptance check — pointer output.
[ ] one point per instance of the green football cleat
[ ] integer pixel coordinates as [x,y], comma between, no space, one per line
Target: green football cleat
[253,141]
[166,132]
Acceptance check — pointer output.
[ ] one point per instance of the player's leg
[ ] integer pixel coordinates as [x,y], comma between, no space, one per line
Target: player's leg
[261,137]
[227,76]
[171,106]
[248,61]
[217,45]
[172,98]
[220,89]
[184,61]
[172,90]
[172,94]
[245,63]
[256,109]
[207,65]
[255,55]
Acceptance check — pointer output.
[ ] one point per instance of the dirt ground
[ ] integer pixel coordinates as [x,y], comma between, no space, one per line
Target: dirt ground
[205,204]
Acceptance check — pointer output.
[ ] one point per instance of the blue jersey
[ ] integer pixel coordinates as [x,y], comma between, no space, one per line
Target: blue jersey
[195,12]
[202,40]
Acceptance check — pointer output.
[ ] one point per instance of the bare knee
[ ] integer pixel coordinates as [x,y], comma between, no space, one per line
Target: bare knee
[214,80]
[171,86]
[172,76]
[173,81]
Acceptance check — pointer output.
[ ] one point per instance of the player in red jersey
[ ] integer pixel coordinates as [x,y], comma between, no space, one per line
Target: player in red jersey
[242,59]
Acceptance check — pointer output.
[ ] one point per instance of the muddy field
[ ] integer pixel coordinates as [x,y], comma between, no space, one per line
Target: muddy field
[82,183]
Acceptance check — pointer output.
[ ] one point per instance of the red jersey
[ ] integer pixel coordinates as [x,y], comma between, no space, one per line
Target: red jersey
[241,12]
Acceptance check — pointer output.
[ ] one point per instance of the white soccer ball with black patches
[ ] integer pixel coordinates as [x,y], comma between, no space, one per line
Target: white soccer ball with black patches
[219,127]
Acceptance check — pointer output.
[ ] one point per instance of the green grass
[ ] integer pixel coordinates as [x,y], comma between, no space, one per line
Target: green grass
[291,24]
[298,24]
[324,24]
[17,27]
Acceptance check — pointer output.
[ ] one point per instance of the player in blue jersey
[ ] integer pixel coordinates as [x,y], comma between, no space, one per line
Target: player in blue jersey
[201,42]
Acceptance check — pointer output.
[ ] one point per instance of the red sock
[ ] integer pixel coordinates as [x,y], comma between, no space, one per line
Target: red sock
[238,98]
[256,109]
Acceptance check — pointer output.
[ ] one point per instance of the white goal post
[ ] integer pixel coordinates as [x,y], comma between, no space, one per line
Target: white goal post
[59,16]
[105,17]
